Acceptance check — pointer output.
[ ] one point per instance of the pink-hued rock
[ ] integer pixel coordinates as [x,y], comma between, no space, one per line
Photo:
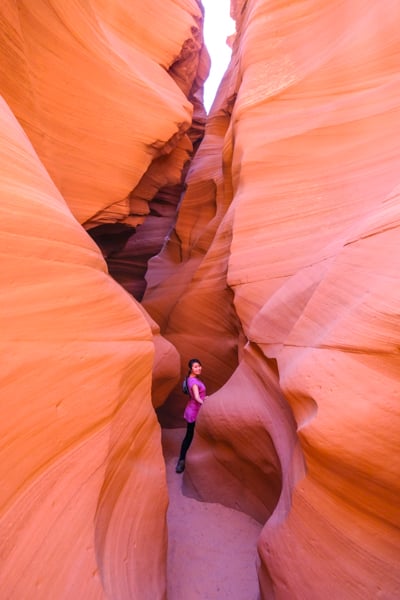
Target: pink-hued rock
[212,549]
[102,111]
[83,495]
[286,254]
[90,84]
[281,275]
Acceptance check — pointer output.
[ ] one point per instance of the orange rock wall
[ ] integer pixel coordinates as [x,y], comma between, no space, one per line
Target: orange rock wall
[94,94]
[79,439]
[90,83]
[282,275]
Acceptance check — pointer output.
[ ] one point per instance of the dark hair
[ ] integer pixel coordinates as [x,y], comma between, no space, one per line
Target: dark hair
[191,362]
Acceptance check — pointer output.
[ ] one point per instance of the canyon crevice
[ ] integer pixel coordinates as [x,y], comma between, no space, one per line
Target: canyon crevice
[137,232]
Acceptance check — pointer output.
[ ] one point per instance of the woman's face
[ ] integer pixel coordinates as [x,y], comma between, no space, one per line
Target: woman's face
[196,368]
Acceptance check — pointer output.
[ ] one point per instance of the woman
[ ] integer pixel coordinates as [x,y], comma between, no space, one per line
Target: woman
[197,393]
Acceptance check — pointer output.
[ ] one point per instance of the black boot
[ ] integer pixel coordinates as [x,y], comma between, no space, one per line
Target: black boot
[180,466]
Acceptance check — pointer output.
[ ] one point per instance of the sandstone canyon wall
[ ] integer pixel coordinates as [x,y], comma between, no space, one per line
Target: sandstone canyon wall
[101,108]
[282,274]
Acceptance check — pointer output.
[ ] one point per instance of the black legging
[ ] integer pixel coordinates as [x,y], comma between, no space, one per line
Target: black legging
[187,440]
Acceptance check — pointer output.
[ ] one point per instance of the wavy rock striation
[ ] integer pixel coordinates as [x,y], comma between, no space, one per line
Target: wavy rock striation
[282,274]
[112,107]
[76,417]
[100,111]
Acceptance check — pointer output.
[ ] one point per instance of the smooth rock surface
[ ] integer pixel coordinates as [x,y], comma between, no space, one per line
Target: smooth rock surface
[286,256]
[96,104]
[281,275]
[79,439]
[90,84]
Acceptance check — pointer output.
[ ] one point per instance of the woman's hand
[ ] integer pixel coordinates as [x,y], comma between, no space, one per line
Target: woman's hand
[196,395]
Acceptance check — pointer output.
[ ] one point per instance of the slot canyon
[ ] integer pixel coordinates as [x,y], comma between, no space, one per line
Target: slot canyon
[138,231]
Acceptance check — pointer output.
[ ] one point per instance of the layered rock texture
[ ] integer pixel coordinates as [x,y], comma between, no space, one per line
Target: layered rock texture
[100,110]
[281,274]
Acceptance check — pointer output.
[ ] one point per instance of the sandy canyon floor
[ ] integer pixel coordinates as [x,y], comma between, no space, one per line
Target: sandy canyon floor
[212,551]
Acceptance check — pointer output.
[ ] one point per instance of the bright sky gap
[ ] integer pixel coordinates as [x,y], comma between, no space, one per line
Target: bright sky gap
[217,27]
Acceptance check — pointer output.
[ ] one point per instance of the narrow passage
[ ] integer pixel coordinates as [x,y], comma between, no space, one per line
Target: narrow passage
[212,550]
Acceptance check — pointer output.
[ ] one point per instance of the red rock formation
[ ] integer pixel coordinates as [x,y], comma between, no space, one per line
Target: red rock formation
[290,243]
[94,102]
[95,73]
[76,416]
[281,274]
[111,106]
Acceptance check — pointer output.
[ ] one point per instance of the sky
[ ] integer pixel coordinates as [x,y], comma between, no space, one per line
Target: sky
[217,27]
